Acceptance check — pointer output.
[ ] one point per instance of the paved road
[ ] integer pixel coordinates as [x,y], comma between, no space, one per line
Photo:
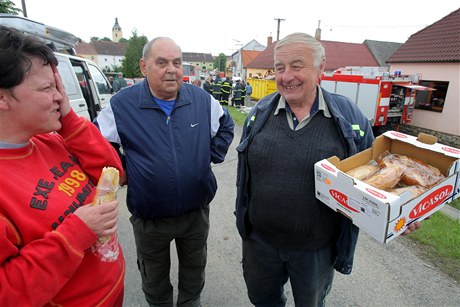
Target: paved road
[383,275]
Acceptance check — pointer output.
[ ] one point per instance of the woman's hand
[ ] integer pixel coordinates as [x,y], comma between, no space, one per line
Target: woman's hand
[64,104]
[101,219]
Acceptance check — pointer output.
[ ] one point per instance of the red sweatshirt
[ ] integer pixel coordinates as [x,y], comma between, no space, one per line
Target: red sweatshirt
[45,252]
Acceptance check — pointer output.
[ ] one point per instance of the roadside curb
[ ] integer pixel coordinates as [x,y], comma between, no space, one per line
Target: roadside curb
[451,212]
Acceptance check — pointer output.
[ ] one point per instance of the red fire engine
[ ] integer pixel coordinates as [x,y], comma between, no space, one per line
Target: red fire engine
[383,97]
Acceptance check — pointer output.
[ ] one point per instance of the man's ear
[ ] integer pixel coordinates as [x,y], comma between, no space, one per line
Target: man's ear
[142,67]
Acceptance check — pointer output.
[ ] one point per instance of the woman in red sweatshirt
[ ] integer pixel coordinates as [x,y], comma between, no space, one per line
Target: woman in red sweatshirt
[50,162]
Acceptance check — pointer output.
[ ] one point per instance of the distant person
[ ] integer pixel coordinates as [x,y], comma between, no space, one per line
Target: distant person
[170,132]
[243,92]
[122,82]
[248,93]
[115,84]
[288,234]
[226,91]
[50,161]
[217,88]
[197,82]
[237,93]
[207,85]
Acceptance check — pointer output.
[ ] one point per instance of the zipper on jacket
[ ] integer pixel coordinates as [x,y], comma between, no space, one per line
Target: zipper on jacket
[167,120]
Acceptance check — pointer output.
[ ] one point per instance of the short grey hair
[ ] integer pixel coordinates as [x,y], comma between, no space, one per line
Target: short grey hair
[319,53]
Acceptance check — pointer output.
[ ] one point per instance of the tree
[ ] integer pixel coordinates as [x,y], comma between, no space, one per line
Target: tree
[133,53]
[220,62]
[105,39]
[8,7]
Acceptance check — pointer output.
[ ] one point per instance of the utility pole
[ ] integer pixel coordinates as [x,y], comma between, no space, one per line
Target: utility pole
[24,11]
[278,31]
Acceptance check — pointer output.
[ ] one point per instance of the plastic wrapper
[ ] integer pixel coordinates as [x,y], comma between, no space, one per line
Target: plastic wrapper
[386,177]
[415,190]
[107,248]
[396,173]
[420,173]
[389,175]
[364,171]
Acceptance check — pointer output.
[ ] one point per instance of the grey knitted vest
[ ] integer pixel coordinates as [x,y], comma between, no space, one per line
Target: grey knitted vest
[283,209]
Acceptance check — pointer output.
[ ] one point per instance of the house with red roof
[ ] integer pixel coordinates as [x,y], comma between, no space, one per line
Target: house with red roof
[434,54]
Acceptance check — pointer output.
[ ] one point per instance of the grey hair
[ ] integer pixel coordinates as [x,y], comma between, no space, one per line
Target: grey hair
[319,53]
[148,46]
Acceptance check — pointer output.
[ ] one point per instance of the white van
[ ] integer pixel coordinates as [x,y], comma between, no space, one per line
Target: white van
[86,85]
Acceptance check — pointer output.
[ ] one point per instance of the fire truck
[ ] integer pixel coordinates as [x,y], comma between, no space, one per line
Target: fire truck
[189,72]
[384,98]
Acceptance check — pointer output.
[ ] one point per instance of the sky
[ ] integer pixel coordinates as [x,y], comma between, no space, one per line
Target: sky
[225,26]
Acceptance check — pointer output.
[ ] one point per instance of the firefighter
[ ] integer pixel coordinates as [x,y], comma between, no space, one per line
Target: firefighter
[217,91]
[226,90]
[237,93]
[243,92]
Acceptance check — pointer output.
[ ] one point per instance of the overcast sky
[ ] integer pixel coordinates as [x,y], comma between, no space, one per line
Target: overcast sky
[222,26]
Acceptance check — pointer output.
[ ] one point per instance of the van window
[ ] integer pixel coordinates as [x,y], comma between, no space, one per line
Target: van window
[66,71]
[101,82]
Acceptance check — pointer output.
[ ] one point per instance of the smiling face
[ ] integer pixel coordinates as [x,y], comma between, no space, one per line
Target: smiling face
[32,107]
[296,75]
[163,68]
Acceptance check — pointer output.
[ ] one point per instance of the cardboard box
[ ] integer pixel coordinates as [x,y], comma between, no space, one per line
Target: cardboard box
[381,214]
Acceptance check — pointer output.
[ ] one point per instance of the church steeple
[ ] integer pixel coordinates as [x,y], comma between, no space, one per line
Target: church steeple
[117,34]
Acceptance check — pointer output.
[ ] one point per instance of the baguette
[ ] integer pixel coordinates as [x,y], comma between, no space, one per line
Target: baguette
[107,186]
[386,177]
[364,171]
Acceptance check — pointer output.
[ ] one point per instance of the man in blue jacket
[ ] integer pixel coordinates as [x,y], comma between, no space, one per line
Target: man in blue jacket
[170,132]
[288,233]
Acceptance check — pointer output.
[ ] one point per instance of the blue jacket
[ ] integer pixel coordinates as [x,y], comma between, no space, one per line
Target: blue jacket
[357,135]
[168,158]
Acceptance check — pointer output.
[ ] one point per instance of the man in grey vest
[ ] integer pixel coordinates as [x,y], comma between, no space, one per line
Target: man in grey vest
[287,233]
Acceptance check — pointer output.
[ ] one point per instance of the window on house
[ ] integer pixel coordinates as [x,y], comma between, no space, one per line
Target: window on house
[432,100]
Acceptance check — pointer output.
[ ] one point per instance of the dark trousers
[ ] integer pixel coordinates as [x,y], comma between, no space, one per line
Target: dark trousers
[153,239]
[217,96]
[237,101]
[224,98]
[267,269]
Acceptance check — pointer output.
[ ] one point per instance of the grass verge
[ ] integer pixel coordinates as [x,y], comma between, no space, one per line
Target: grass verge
[237,116]
[455,204]
[438,241]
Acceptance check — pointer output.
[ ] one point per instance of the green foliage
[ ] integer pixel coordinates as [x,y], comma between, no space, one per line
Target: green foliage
[220,62]
[133,53]
[105,39]
[8,7]
[123,40]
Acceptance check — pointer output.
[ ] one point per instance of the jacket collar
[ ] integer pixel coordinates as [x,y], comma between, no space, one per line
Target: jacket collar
[146,100]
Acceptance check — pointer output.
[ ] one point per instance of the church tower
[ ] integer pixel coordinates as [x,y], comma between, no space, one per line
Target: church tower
[117,34]
[318,31]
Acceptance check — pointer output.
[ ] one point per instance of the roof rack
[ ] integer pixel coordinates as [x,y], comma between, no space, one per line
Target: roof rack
[56,39]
